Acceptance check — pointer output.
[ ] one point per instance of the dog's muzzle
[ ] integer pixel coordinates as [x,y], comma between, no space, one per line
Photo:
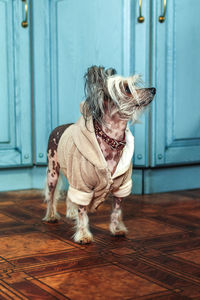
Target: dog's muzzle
[153,91]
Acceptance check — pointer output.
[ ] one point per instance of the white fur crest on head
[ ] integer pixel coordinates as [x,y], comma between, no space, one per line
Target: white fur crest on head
[116,87]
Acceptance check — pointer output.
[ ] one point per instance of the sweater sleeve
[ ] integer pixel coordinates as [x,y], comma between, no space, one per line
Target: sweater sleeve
[126,186]
[80,197]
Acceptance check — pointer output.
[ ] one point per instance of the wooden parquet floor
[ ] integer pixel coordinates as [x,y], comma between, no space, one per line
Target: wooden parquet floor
[159,258]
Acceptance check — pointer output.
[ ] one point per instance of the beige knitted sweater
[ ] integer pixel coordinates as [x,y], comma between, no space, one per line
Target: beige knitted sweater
[82,162]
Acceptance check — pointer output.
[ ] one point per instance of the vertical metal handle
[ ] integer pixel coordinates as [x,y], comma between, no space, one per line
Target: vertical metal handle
[25,22]
[162,18]
[140,18]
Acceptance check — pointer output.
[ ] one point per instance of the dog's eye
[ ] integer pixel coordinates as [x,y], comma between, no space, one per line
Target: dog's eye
[127,90]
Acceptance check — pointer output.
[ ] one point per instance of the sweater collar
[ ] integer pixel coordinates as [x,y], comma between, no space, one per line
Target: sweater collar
[86,142]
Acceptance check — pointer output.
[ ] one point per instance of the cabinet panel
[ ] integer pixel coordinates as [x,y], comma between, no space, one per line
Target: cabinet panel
[140,52]
[15,88]
[176,73]
[4,89]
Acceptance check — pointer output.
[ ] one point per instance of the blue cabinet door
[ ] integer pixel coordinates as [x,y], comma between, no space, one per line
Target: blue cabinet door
[15,87]
[68,37]
[176,74]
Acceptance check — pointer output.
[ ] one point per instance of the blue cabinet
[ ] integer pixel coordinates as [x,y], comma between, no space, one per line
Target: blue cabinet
[46,87]
[15,87]
[175,126]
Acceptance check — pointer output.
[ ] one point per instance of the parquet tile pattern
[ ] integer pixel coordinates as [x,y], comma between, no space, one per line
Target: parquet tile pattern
[159,258]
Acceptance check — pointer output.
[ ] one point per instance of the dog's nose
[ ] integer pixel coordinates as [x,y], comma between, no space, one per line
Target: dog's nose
[153,90]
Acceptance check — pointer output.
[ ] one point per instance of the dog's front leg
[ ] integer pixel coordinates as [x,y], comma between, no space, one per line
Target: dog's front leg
[72,209]
[117,226]
[82,234]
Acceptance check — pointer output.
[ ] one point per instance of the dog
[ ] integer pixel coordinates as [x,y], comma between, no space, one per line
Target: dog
[95,153]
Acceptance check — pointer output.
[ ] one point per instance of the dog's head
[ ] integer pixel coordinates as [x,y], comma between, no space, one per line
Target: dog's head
[107,91]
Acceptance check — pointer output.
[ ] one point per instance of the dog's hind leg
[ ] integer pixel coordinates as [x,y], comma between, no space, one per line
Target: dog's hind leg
[117,226]
[52,187]
[82,234]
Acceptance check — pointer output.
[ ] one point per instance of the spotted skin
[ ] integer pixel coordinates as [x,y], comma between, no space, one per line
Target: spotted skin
[81,210]
[112,156]
[117,226]
[115,130]
[53,169]
[53,165]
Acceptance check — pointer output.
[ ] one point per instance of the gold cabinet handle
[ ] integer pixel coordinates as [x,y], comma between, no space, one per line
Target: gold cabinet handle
[140,18]
[162,18]
[25,23]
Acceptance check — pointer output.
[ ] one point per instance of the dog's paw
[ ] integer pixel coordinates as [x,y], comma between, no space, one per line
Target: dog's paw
[52,218]
[118,229]
[83,237]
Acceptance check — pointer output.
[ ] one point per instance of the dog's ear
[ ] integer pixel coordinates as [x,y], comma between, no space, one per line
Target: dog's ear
[110,72]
